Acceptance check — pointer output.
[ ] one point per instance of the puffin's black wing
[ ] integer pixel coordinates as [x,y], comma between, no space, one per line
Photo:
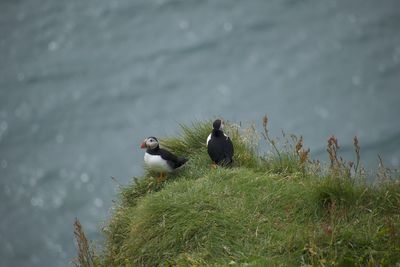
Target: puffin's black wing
[229,150]
[220,150]
[172,160]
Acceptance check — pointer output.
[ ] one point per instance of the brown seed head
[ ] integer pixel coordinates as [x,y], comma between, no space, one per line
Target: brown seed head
[265,121]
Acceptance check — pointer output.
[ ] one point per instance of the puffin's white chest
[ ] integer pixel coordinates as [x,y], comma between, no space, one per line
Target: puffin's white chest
[156,163]
[208,138]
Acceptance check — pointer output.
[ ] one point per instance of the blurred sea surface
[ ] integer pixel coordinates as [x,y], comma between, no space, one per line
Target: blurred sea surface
[83,82]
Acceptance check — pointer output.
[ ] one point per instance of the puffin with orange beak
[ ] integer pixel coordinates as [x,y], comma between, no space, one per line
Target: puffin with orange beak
[158,159]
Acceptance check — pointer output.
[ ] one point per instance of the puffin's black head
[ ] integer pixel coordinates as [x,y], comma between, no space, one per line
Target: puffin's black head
[150,142]
[218,124]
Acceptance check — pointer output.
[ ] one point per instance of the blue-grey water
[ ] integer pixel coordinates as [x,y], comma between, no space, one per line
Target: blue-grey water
[83,82]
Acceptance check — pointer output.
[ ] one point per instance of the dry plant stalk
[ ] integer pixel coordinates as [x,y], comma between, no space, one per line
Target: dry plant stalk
[357,150]
[384,173]
[303,156]
[338,165]
[268,138]
[299,145]
[301,152]
[332,151]
[85,254]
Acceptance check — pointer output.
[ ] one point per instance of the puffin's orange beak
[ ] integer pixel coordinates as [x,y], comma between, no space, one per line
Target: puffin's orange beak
[143,145]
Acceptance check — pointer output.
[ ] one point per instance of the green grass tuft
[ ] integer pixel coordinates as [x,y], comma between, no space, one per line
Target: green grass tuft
[264,211]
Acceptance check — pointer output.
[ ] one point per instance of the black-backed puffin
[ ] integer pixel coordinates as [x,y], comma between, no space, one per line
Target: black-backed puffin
[219,145]
[158,159]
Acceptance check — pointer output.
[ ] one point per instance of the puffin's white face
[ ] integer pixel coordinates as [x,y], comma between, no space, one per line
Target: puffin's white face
[150,142]
[222,125]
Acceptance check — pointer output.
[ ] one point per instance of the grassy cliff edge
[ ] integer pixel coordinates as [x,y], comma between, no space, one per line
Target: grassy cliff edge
[276,210]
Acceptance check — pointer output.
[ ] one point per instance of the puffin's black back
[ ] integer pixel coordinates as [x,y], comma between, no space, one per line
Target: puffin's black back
[220,148]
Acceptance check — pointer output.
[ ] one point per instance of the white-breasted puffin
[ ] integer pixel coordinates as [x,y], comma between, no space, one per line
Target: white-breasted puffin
[219,145]
[158,159]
